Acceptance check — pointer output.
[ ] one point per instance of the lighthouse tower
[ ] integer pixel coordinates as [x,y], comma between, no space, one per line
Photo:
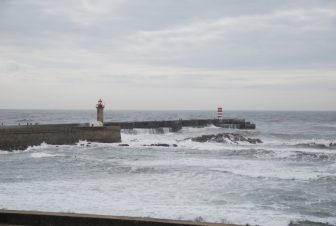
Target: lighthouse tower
[100,111]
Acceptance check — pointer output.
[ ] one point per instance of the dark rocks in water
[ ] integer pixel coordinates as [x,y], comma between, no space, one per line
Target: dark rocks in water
[224,137]
[123,145]
[254,140]
[161,145]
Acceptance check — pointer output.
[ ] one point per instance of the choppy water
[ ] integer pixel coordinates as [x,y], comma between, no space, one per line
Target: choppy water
[291,176]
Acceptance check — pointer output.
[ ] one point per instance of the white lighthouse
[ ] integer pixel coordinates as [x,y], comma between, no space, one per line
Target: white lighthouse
[100,111]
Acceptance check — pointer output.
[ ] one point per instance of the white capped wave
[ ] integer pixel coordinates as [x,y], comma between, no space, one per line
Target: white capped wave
[38,147]
[42,155]
[304,143]
[144,138]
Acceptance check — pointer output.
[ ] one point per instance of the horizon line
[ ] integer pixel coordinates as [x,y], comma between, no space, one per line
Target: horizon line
[215,109]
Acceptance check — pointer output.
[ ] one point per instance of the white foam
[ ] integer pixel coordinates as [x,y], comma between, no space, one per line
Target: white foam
[147,138]
[297,142]
[41,155]
[38,147]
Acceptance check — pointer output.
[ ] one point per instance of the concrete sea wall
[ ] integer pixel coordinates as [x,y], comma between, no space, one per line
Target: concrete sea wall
[32,218]
[176,125]
[19,138]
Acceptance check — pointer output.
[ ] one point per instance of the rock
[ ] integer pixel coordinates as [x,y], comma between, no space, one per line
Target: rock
[204,138]
[160,145]
[254,140]
[123,145]
[225,138]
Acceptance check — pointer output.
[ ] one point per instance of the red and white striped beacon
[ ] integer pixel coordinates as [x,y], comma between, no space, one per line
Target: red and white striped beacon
[219,113]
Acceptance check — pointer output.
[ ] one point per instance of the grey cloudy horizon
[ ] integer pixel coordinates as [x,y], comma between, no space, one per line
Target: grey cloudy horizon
[176,54]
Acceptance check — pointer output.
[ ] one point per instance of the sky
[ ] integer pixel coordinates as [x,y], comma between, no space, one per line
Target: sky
[168,54]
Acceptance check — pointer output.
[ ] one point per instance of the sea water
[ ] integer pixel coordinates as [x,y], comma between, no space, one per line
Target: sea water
[291,176]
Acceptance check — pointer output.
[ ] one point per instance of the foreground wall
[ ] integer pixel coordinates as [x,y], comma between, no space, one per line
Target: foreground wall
[19,138]
[8,218]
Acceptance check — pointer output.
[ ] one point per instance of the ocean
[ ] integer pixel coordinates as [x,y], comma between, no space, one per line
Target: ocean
[291,176]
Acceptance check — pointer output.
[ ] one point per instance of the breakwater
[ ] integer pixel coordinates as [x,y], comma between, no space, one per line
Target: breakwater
[176,125]
[33,218]
[21,137]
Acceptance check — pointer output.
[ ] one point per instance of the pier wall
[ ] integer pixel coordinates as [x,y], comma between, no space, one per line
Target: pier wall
[32,218]
[21,137]
[176,125]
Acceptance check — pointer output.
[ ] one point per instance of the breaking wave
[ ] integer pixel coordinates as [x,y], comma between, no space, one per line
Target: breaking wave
[308,143]
[42,155]
[161,130]
[317,145]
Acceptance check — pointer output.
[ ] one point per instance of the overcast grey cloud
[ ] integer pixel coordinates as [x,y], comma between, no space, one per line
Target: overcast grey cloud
[177,54]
